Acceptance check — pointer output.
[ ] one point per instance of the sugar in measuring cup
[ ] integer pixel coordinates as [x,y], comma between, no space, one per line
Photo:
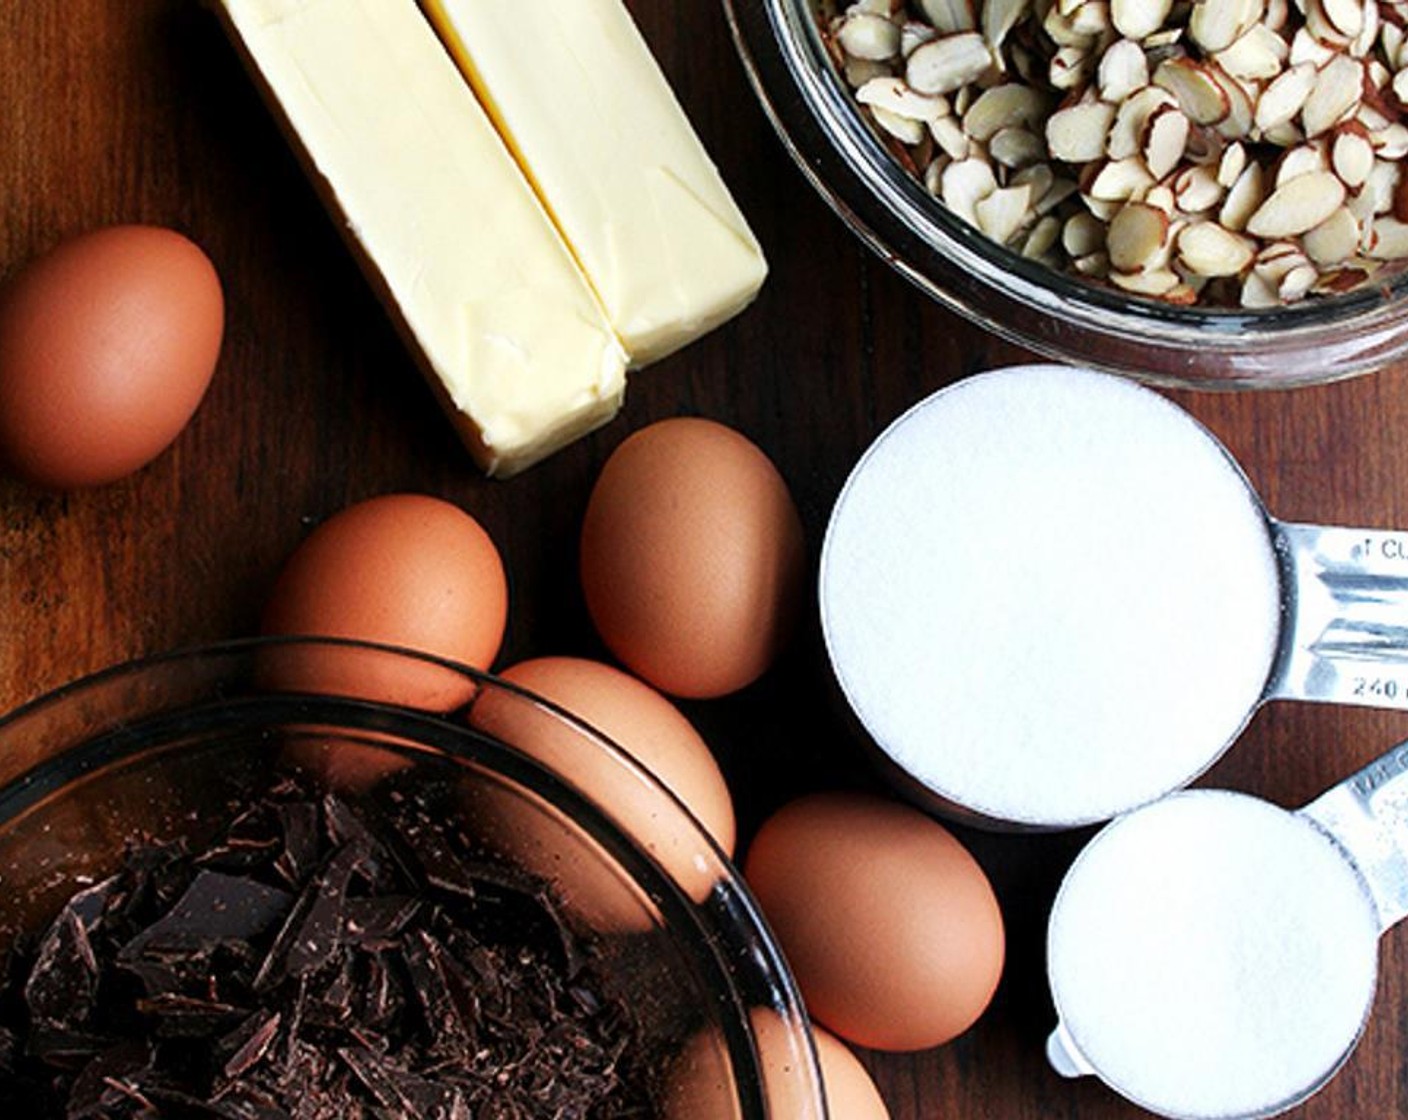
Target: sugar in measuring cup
[1214,957]
[1051,595]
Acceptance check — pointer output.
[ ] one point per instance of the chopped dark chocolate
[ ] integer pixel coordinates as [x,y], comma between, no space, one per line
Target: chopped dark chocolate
[318,961]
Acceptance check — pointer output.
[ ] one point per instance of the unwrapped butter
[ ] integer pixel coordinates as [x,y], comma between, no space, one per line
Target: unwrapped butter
[447,227]
[577,94]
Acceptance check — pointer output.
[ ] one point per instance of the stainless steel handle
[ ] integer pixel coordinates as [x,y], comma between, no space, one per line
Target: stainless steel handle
[1367,814]
[1344,637]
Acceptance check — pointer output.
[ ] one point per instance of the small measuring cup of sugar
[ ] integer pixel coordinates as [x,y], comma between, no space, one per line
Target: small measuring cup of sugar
[1051,595]
[1214,957]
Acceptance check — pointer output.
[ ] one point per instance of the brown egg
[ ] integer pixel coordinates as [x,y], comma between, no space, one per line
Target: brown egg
[107,345]
[850,1092]
[638,719]
[702,1083]
[650,729]
[404,570]
[692,557]
[891,928]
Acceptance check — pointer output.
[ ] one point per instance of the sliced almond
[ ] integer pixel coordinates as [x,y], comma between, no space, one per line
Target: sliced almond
[1258,56]
[1320,25]
[1038,176]
[1060,190]
[1123,69]
[1300,160]
[1338,89]
[1364,41]
[1091,18]
[1120,180]
[1346,16]
[1061,30]
[906,130]
[1305,47]
[1016,148]
[1166,137]
[1201,96]
[1137,19]
[1334,240]
[1241,108]
[966,182]
[1282,99]
[1070,67]
[1390,142]
[1208,249]
[948,62]
[861,70]
[999,17]
[1232,163]
[1155,282]
[948,134]
[1161,196]
[868,36]
[1352,156]
[1042,238]
[1258,294]
[1096,266]
[895,96]
[1002,213]
[1216,24]
[1127,132]
[1136,237]
[1197,190]
[914,34]
[1298,206]
[1297,282]
[1082,235]
[950,16]
[1339,280]
[1244,198]
[1004,106]
[1077,133]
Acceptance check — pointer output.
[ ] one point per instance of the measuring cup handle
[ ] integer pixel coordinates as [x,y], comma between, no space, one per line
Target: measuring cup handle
[1344,633]
[1367,814]
[1063,1055]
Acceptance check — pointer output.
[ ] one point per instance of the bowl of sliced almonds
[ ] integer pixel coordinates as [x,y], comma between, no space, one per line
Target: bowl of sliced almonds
[1193,193]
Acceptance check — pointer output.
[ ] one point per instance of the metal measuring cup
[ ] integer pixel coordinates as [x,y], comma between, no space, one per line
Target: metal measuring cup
[1341,636]
[1357,831]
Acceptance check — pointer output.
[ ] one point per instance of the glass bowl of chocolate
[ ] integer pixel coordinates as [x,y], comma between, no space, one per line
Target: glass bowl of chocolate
[301,879]
[1207,193]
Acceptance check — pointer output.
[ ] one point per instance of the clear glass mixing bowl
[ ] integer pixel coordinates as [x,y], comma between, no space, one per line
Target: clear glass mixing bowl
[1051,313]
[165,747]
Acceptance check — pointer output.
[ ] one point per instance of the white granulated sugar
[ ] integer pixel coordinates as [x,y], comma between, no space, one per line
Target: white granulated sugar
[1212,955]
[1050,595]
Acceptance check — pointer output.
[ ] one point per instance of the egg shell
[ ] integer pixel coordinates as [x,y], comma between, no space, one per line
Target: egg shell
[702,1084]
[850,1091]
[891,928]
[646,727]
[692,557]
[108,343]
[531,832]
[405,570]
[639,720]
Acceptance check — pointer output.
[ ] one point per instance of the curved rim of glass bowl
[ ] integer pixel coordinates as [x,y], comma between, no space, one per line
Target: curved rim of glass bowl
[41,739]
[1319,340]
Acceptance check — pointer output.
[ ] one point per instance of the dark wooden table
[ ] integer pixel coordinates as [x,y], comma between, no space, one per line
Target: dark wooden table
[136,110]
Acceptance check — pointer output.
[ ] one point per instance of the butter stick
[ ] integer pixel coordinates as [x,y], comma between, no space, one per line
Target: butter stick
[466,259]
[577,94]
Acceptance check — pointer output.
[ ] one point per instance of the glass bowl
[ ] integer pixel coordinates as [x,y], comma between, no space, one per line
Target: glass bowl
[1056,315]
[167,748]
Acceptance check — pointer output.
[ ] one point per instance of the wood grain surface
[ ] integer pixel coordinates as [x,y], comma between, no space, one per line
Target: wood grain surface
[136,110]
